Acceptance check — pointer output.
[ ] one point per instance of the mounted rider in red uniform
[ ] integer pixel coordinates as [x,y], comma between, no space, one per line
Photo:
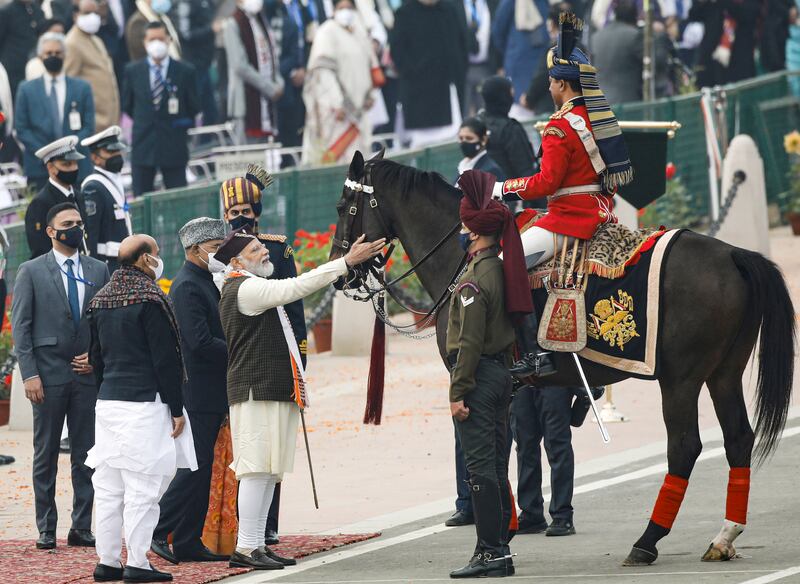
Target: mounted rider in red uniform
[584,160]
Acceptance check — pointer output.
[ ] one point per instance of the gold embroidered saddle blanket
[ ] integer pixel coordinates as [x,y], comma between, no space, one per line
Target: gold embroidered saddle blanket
[622,317]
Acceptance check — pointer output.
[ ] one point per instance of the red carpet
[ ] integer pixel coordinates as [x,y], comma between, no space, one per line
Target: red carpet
[22,563]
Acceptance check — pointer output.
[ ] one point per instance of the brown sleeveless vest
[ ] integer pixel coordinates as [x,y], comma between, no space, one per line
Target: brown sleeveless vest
[258,356]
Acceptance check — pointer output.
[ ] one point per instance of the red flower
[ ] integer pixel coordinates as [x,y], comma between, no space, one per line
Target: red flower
[308,265]
[671,170]
[302,233]
[389,264]
[310,245]
[297,243]
[405,257]
[7,380]
[324,239]
[332,227]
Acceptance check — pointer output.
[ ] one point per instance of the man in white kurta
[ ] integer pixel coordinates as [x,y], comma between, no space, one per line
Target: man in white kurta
[265,390]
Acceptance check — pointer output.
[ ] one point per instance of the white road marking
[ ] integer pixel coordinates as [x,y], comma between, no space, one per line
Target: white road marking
[774,576]
[379,544]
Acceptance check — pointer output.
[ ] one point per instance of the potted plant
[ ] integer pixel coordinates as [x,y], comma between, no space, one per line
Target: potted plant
[791,198]
[674,208]
[7,361]
[312,249]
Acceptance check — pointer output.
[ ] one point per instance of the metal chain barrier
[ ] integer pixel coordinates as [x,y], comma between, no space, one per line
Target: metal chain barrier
[738,178]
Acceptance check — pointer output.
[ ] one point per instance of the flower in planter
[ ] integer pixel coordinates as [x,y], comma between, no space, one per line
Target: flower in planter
[670,171]
[791,142]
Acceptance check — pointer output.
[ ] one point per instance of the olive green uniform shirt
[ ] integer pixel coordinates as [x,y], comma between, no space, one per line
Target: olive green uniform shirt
[478,323]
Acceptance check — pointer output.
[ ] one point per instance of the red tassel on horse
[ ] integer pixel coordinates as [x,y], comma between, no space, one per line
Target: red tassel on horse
[377,358]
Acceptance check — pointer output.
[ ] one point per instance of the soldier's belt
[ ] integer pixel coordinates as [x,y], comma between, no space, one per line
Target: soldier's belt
[452,358]
[578,190]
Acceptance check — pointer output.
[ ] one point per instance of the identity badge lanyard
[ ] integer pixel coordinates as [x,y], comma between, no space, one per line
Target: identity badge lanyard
[76,277]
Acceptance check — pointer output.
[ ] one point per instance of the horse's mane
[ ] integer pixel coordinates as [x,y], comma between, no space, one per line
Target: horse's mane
[406,179]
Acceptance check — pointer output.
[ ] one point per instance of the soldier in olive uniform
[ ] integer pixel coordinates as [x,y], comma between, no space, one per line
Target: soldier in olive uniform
[241,200]
[491,295]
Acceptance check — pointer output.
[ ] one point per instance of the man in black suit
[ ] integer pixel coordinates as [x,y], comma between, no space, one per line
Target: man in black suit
[51,338]
[196,300]
[61,159]
[160,95]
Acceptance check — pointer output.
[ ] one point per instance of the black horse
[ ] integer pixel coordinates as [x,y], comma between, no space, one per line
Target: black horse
[716,300]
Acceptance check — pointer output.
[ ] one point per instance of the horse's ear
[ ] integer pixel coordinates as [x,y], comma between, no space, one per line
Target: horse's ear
[356,170]
[379,154]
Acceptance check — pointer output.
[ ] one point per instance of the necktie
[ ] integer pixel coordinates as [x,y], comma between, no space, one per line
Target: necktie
[57,127]
[72,295]
[158,87]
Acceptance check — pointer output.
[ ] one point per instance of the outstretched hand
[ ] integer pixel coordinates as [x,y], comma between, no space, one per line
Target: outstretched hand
[361,251]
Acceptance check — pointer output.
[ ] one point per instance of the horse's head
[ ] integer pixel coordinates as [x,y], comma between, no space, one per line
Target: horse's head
[360,212]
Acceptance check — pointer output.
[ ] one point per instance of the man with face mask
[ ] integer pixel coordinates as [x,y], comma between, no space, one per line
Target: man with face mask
[241,201]
[88,59]
[141,431]
[160,94]
[50,107]
[107,218]
[266,389]
[61,160]
[196,299]
[148,11]
[51,339]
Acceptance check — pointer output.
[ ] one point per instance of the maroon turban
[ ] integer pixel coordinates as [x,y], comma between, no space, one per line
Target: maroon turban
[232,245]
[485,216]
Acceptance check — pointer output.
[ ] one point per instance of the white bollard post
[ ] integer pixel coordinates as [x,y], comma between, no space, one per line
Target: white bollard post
[353,323]
[610,413]
[21,412]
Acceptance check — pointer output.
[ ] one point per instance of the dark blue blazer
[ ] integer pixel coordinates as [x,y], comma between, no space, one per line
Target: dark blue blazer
[159,138]
[33,121]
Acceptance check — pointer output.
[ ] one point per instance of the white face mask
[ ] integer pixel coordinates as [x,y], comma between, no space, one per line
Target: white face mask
[89,23]
[214,265]
[252,7]
[159,269]
[157,49]
[345,16]
[161,6]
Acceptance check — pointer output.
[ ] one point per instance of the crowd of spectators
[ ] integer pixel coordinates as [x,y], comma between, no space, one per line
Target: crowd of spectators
[324,75]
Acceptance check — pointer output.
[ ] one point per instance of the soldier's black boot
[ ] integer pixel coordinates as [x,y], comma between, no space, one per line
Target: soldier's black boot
[489,558]
[534,361]
[506,535]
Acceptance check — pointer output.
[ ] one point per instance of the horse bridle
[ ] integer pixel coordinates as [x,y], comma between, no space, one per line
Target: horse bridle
[356,284]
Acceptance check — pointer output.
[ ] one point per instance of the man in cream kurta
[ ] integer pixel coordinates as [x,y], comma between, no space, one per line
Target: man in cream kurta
[265,392]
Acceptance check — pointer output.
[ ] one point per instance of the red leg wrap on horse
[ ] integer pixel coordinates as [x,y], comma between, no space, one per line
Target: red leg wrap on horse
[738,493]
[669,501]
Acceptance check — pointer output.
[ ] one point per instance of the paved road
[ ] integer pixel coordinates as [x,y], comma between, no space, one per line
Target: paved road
[611,509]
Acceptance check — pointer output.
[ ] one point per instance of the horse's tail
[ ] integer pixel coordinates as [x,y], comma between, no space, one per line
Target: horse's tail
[772,307]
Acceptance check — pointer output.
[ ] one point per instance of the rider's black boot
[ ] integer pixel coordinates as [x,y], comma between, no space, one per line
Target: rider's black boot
[534,361]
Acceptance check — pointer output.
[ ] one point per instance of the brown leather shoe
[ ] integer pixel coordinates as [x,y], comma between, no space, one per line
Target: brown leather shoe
[258,560]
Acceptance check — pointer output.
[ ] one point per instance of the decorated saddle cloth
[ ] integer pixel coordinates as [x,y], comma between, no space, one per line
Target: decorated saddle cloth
[622,316]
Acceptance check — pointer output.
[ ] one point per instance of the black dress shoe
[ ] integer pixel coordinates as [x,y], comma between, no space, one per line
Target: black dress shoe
[561,527]
[80,538]
[258,560]
[528,527]
[103,573]
[280,559]
[485,566]
[46,541]
[5,459]
[131,574]
[271,537]
[160,547]
[201,554]
[460,518]
[536,364]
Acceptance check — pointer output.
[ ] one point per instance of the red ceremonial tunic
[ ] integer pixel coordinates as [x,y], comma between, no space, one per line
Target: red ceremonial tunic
[565,163]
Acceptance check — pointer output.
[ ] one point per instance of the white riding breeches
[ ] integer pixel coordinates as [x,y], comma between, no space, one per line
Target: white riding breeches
[539,244]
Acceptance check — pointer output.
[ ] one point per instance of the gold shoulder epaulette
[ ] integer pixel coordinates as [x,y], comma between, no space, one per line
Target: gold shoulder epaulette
[553,131]
[564,109]
[272,237]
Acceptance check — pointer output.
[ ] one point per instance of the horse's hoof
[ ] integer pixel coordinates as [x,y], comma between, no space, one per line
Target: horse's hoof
[640,557]
[719,552]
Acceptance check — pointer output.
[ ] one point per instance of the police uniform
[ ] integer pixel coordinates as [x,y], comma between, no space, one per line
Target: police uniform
[480,336]
[108,220]
[51,195]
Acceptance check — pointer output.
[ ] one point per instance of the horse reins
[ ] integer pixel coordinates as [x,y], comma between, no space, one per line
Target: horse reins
[365,190]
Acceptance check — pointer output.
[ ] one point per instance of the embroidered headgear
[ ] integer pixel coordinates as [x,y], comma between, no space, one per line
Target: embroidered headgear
[566,61]
[233,244]
[246,189]
[485,216]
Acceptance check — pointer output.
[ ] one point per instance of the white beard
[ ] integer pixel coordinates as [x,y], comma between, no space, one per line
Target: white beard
[259,269]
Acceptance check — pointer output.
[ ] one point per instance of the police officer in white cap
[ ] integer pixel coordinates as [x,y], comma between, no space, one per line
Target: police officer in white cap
[108,221]
[61,159]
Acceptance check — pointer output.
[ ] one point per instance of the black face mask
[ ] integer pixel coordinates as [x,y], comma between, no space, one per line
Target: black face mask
[68,177]
[53,64]
[114,164]
[242,221]
[470,149]
[71,237]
